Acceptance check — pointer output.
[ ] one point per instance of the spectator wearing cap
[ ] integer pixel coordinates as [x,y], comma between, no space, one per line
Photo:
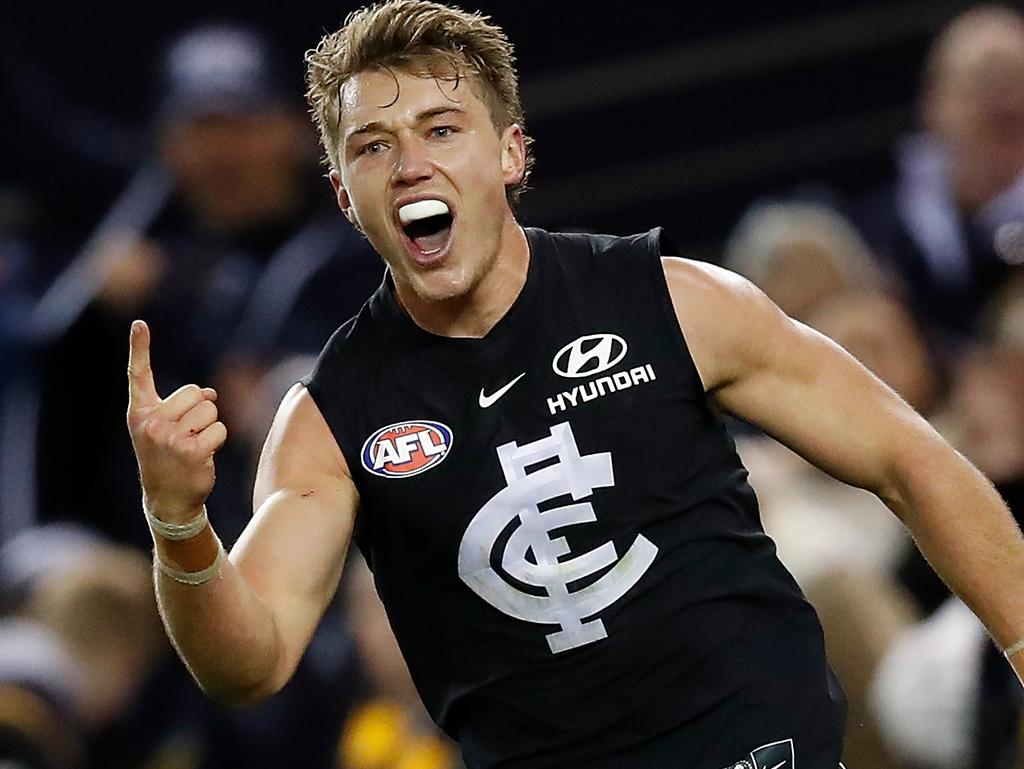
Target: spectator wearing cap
[246,262]
[952,223]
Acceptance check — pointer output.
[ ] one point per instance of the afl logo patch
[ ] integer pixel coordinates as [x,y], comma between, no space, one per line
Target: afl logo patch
[589,355]
[406,448]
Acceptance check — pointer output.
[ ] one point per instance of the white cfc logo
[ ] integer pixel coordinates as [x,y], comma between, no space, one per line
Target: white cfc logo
[571,475]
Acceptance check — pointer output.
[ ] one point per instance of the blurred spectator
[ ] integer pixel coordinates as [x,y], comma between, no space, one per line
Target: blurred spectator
[34,553]
[95,601]
[1003,319]
[801,255]
[246,260]
[104,611]
[39,692]
[952,224]
[129,704]
[926,693]
[989,410]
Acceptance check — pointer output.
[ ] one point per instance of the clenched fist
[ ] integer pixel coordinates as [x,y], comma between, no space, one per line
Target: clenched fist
[175,438]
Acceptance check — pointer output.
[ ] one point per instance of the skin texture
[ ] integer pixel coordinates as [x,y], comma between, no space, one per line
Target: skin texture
[434,139]
[242,633]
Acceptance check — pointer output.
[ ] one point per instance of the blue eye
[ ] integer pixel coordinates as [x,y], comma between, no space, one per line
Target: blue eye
[372,148]
[443,131]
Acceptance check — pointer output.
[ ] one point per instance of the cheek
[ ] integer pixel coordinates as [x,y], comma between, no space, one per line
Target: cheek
[486,180]
[364,200]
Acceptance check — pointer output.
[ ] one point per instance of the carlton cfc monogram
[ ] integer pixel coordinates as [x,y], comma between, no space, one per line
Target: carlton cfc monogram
[574,475]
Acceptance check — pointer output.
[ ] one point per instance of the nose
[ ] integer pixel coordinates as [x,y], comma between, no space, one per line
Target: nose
[414,164]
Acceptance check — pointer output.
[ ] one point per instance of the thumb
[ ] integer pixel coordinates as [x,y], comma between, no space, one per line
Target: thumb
[141,387]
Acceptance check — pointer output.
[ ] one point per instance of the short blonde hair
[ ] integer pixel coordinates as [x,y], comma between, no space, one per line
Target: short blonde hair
[415,36]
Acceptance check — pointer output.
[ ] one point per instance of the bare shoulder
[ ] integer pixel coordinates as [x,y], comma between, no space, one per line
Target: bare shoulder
[723,317]
[690,275]
[300,448]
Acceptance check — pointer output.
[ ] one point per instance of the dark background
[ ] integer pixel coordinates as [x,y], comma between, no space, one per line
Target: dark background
[643,113]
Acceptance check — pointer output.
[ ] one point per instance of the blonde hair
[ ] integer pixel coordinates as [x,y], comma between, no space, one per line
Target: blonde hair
[766,230]
[415,36]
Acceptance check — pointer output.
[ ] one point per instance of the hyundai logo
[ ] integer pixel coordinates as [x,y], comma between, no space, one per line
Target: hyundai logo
[589,355]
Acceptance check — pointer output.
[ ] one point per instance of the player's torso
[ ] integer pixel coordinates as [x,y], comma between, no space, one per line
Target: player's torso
[556,521]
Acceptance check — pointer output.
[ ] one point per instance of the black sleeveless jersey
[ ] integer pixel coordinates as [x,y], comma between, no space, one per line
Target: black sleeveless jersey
[563,535]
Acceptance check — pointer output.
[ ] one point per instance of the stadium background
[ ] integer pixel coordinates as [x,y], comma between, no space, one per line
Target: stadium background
[642,115]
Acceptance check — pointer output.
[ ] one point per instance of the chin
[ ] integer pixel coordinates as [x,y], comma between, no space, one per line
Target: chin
[441,285]
[439,291]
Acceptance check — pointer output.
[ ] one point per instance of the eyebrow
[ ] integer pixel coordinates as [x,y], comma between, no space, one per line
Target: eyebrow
[375,126]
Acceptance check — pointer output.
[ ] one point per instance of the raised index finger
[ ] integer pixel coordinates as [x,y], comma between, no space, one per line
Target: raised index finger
[141,388]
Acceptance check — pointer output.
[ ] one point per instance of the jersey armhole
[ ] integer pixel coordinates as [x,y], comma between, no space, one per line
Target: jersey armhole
[330,415]
[659,244]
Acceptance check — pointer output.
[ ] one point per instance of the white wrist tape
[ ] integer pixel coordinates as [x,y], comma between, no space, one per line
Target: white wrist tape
[194,577]
[1014,648]
[177,531]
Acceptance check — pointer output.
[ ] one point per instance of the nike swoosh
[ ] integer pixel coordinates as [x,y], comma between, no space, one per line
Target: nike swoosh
[490,400]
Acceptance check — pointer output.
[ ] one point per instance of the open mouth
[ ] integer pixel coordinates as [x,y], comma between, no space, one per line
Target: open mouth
[428,224]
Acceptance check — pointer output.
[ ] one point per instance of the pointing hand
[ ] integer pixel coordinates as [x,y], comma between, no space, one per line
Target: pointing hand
[175,438]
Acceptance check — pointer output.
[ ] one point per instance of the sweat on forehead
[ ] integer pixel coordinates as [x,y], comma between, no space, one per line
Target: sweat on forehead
[451,86]
[451,83]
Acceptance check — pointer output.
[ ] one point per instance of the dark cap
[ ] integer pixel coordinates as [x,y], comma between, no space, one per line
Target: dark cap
[220,69]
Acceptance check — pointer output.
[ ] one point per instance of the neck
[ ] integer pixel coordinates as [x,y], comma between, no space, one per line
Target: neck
[474,313]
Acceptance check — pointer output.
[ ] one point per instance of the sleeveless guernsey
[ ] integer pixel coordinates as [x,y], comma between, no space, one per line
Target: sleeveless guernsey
[563,536]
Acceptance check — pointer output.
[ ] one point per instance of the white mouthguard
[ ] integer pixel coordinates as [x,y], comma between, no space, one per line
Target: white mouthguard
[421,209]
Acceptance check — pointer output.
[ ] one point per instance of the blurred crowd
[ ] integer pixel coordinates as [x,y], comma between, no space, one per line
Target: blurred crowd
[229,245]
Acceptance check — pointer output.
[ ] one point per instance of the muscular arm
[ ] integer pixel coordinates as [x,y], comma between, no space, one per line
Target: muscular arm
[242,633]
[811,395]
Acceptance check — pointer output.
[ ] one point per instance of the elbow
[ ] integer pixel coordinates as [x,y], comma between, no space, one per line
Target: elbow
[917,472]
[904,485]
[235,694]
[891,489]
[240,687]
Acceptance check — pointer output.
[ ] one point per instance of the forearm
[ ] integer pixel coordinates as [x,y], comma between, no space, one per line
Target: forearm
[225,634]
[241,624]
[966,532]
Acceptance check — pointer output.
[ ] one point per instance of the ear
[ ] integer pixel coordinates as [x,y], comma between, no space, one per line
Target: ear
[513,154]
[344,202]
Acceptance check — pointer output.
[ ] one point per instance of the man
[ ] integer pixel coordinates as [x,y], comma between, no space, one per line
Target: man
[560,531]
[952,224]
